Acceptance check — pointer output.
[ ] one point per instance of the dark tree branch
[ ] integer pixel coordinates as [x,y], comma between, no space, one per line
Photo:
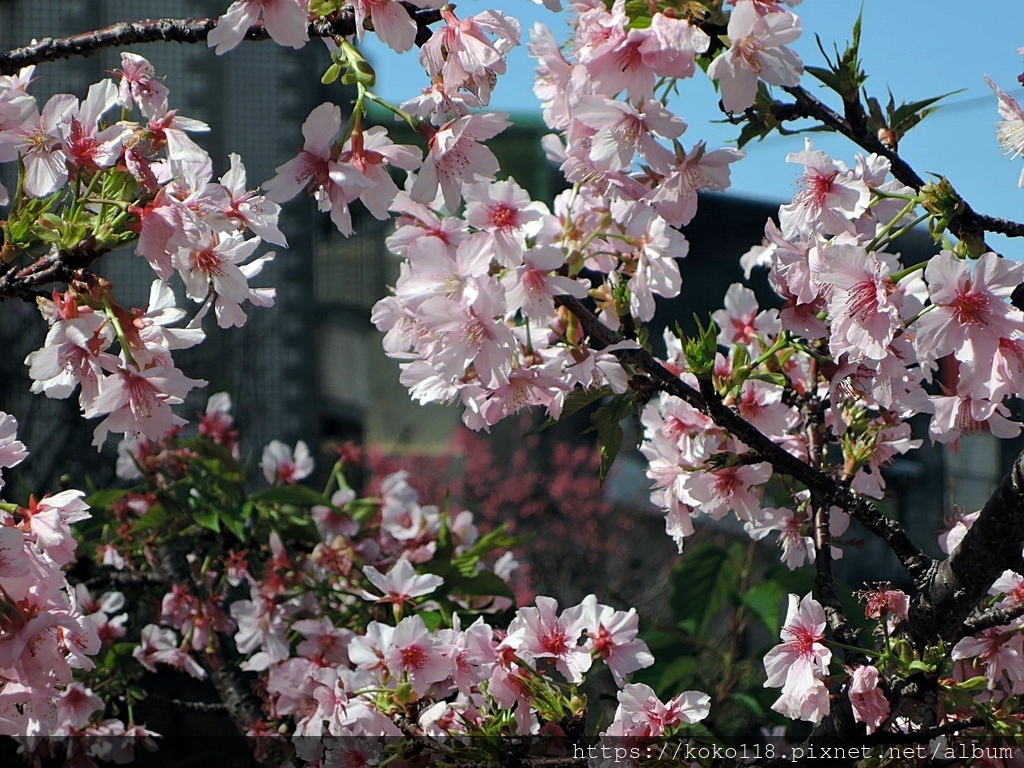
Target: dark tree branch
[234,690]
[995,617]
[923,737]
[204,707]
[59,266]
[958,583]
[1000,226]
[178,31]
[828,595]
[821,485]
[811,106]
[967,224]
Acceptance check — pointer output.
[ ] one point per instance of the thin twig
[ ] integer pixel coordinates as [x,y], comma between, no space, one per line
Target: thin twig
[205,707]
[966,224]
[177,31]
[822,485]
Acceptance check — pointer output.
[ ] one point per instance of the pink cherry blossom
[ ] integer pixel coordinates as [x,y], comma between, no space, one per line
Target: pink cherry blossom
[401,584]
[262,624]
[730,488]
[641,713]
[160,646]
[869,703]
[1000,650]
[140,87]
[800,662]
[283,467]
[456,157]
[312,168]
[139,402]
[757,51]
[367,651]
[213,264]
[623,129]
[77,704]
[533,286]
[73,353]
[49,520]
[963,414]
[13,562]
[85,145]
[1010,128]
[148,333]
[633,62]
[830,197]
[971,310]
[389,20]
[526,386]
[894,601]
[461,51]
[675,195]
[413,654]
[864,303]
[542,633]
[361,168]
[285,20]
[612,636]
[38,141]
[12,450]
[248,208]
[469,334]
[505,216]
[740,321]
[170,133]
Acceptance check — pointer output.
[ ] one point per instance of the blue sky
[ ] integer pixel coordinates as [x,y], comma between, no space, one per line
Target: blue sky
[918,48]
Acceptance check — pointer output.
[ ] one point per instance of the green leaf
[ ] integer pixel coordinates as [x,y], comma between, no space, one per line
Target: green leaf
[772,378]
[677,674]
[907,115]
[606,421]
[207,517]
[701,585]
[798,582]
[105,498]
[434,620]
[575,401]
[319,8]
[749,703]
[154,518]
[332,74]
[764,601]
[700,351]
[234,520]
[484,583]
[826,76]
[639,14]
[362,510]
[299,495]
[497,539]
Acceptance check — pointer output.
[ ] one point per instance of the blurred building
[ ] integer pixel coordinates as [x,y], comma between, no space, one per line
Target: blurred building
[254,100]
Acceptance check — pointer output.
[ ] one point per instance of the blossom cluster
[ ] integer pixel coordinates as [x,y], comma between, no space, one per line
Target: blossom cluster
[886,325]
[351,611]
[116,180]
[45,631]
[355,613]
[475,306]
